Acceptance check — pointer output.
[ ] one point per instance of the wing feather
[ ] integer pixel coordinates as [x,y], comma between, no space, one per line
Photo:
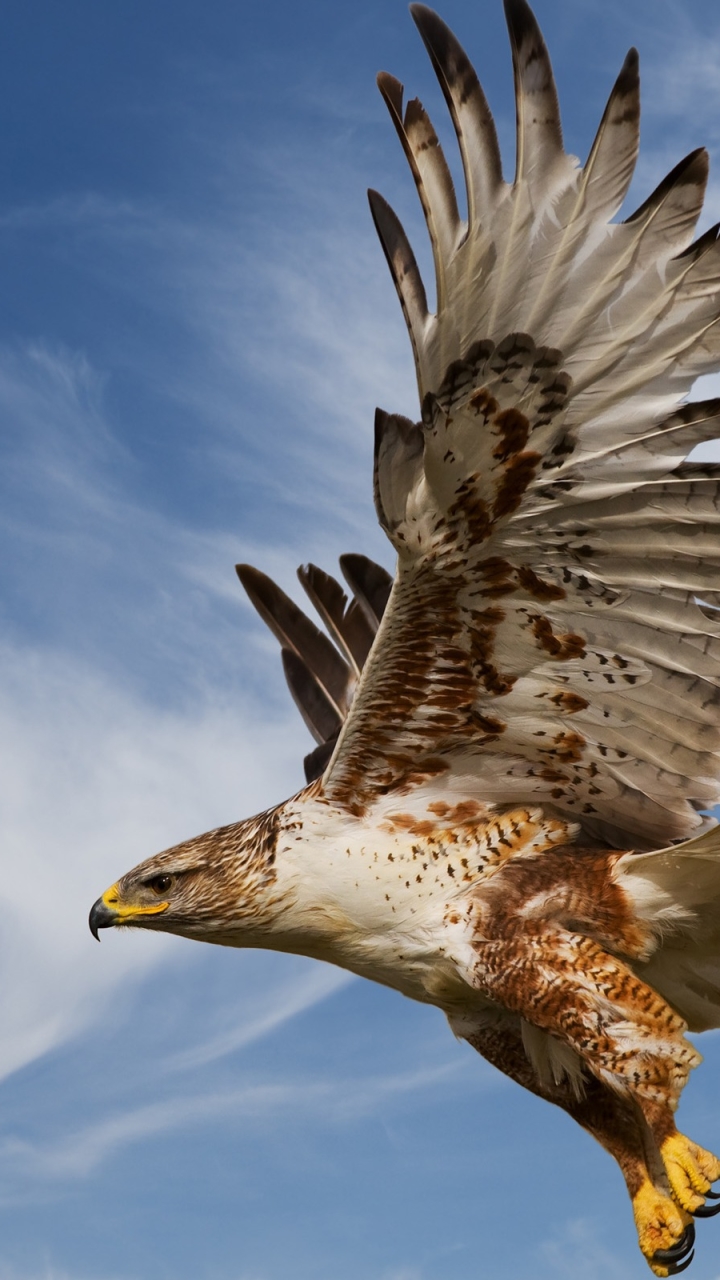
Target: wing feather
[299,636]
[321,715]
[403,267]
[611,163]
[320,675]
[370,584]
[469,111]
[345,620]
[551,635]
[539,133]
[429,169]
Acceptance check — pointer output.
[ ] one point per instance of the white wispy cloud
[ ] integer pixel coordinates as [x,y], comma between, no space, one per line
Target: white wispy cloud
[92,779]
[334,1101]
[266,1012]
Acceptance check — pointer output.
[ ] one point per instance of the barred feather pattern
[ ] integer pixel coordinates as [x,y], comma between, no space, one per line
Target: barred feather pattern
[551,636]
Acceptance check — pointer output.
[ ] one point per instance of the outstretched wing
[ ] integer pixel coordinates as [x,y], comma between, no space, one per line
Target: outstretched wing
[552,633]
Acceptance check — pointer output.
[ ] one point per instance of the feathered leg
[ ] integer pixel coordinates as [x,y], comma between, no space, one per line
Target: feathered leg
[546,942]
[665,1232]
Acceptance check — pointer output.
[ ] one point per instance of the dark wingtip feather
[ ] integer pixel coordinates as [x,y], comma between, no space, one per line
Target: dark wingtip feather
[539,132]
[317,710]
[468,108]
[625,97]
[344,619]
[521,20]
[613,155]
[403,267]
[369,582]
[260,590]
[247,575]
[429,24]
[296,632]
[629,78]
[692,170]
[523,27]
[436,35]
[392,91]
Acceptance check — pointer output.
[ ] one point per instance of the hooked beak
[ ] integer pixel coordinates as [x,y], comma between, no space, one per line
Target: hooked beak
[110,910]
[101,917]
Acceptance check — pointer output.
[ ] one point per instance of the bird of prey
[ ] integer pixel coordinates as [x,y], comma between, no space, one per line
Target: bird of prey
[506,814]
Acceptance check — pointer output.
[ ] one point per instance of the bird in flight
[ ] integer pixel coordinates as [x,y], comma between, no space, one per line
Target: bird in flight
[518,737]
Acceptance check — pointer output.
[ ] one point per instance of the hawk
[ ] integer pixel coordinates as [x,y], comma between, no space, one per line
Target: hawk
[518,737]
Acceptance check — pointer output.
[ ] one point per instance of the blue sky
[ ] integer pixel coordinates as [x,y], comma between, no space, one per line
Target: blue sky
[195,326]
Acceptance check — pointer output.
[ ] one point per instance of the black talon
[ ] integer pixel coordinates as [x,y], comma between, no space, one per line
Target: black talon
[706,1210]
[712,1195]
[676,1267]
[678,1251]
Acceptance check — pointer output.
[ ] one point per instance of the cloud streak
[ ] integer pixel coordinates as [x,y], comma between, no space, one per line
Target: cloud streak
[92,780]
[330,1102]
[270,1010]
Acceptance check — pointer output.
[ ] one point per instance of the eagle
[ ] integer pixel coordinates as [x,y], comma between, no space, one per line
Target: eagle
[507,811]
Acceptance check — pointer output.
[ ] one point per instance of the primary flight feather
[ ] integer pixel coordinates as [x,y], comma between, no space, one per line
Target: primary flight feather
[518,738]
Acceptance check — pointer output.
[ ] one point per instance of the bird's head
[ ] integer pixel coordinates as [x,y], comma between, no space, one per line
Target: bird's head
[216,887]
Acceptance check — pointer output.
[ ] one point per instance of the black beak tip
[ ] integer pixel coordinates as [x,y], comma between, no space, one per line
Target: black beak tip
[101,917]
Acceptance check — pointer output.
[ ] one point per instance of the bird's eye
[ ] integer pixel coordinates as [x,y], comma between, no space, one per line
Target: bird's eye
[160,884]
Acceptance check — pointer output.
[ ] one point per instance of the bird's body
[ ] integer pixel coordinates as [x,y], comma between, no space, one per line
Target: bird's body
[519,743]
[420,900]
[397,900]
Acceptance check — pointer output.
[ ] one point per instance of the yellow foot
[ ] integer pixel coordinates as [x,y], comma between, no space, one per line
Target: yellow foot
[691,1172]
[665,1232]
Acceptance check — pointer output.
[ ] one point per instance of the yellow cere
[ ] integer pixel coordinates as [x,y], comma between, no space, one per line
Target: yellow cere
[111,899]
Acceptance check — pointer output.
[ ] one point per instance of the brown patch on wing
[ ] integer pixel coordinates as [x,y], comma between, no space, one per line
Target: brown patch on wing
[482,499]
[429,697]
[488,724]
[561,647]
[478,843]
[537,587]
[566,747]
[519,472]
[446,817]
[468,517]
[454,815]
[513,428]
[483,403]
[421,702]
[411,823]
[482,653]
[424,701]
[570,702]
[497,575]
[503,578]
